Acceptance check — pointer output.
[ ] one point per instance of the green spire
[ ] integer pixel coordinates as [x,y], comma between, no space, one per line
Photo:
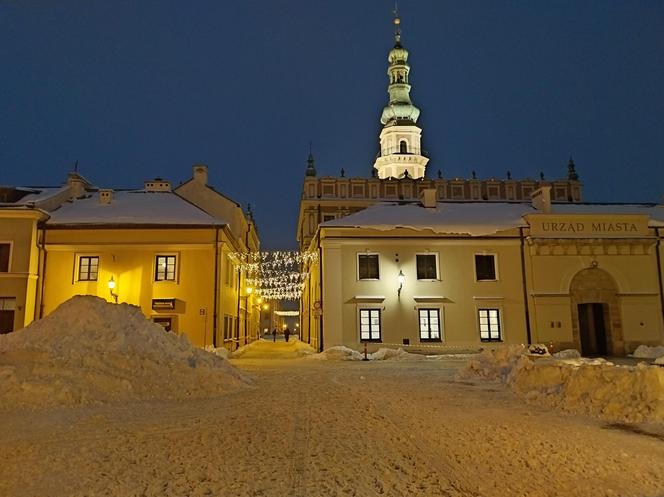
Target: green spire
[400,109]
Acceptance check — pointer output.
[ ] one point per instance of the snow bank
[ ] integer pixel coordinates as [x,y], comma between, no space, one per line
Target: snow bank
[343,353]
[599,388]
[222,352]
[267,349]
[90,351]
[567,354]
[339,353]
[645,352]
[395,355]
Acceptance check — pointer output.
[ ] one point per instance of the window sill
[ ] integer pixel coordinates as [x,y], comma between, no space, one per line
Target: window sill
[429,340]
[491,341]
[371,341]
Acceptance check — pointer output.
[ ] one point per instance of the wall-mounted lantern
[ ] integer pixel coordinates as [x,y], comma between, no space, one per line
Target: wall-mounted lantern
[111,288]
[401,278]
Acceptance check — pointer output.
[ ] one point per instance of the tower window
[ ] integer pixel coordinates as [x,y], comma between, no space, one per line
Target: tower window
[403,147]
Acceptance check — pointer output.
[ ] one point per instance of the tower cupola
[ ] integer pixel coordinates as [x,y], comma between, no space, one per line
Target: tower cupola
[400,139]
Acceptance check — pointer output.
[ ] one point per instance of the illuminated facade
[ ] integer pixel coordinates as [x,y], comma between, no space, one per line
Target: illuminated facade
[464,263]
[163,250]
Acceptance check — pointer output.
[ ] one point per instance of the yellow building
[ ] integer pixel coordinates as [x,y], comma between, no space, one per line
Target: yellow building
[163,250]
[19,266]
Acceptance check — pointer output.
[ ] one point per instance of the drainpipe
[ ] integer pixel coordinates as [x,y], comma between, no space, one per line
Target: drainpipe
[523,283]
[320,284]
[216,287]
[309,303]
[659,270]
[42,252]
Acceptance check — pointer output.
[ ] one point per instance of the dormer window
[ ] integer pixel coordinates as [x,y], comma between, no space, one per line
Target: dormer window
[403,147]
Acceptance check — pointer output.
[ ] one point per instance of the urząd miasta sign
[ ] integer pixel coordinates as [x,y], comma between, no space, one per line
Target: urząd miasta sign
[581,226]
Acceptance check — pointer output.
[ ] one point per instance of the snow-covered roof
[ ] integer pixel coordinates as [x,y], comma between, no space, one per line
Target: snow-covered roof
[39,194]
[132,208]
[474,218]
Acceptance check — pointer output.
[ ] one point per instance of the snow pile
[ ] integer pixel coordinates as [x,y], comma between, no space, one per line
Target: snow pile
[222,352]
[395,355]
[338,353]
[599,388]
[496,364]
[343,353]
[267,349]
[567,354]
[645,352]
[90,351]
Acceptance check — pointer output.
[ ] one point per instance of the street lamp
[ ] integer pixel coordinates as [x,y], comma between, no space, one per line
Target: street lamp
[111,287]
[401,278]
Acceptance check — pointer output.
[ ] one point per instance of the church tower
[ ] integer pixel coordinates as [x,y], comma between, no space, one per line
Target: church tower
[400,139]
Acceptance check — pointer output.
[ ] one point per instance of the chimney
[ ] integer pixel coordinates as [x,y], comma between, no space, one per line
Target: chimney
[157,185]
[200,173]
[428,198]
[105,196]
[76,184]
[541,199]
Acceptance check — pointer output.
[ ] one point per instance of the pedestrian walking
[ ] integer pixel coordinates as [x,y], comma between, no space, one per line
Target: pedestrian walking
[287,333]
[274,334]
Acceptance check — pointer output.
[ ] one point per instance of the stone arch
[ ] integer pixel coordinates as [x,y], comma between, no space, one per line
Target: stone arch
[596,286]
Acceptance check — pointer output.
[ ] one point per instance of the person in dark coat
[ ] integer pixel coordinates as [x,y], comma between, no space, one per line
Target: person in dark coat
[274,334]
[287,333]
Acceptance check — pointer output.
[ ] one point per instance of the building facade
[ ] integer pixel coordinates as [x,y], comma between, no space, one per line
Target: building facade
[162,249]
[461,263]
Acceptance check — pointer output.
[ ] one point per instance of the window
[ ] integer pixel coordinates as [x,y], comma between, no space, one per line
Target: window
[88,268]
[485,267]
[403,147]
[228,327]
[165,270]
[7,306]
[4,257]
[429,325]
[367,266]
[427,266]
[370,325]
[489,325]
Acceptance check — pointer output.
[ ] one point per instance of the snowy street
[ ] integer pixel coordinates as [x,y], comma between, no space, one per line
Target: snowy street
[328,428]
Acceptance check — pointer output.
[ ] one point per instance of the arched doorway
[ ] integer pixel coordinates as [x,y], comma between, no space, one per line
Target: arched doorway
[596,323]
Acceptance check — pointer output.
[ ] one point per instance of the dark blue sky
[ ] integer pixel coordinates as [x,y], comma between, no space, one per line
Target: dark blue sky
[137,89]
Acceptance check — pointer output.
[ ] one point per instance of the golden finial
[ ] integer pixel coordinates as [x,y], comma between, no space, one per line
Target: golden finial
[397,24]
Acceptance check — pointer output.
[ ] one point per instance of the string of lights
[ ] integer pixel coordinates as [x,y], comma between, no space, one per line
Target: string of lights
[275,275]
